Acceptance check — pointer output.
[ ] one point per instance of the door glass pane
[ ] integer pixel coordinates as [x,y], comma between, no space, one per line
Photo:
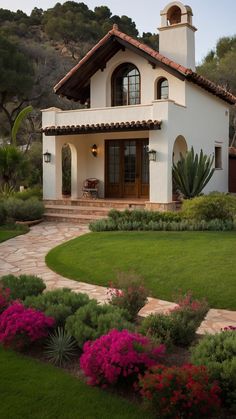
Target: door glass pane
[129,161]
[145,163]
[114,162]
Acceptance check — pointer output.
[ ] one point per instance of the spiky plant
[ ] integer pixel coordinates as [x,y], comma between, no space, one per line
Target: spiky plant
[192,173]
[60,347]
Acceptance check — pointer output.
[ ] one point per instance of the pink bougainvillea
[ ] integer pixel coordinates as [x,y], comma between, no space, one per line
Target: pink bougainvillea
[180,392]
[20,326]
[117,355]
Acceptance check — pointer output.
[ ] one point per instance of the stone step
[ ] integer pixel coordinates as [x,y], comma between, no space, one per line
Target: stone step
[76,209]
[74,218]
[117,204]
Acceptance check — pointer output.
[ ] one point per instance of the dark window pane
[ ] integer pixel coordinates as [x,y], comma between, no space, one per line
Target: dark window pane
[126,85]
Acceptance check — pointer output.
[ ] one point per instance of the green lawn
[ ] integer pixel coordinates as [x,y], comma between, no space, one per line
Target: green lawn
[8,232]
[32,390]
[203,262]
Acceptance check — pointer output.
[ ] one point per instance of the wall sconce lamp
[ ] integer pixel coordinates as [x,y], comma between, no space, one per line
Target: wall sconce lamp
[94,150]
[47,157]
[152,154]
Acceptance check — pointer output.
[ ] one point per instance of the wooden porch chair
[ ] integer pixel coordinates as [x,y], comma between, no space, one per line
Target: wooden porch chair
[90,188]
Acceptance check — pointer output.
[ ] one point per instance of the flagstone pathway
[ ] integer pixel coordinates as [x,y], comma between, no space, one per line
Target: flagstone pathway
[26,255]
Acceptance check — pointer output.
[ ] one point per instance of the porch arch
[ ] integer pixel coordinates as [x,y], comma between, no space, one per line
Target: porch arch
[73,170]
[180,147]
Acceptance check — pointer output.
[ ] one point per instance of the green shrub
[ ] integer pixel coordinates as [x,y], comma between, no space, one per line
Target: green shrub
[29,210]
[22,286]
[59,304]
[2,214]
[128,293]
[218,353]
[60,347]
[94,320]
[183,225]
[210,207]
[35,192]
[169,329]
[179,326]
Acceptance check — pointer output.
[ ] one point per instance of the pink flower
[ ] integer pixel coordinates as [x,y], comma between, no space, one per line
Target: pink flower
[117,355]
[20,325]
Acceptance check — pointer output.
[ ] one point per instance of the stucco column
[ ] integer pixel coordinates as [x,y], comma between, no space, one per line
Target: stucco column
[160,171]
[52,172]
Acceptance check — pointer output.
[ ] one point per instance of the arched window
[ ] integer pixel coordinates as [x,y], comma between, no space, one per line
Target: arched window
[163,89]
[126,85]
[174,15]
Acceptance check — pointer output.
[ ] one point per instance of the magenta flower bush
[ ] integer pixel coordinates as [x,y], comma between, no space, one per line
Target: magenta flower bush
[20,326]
[117,355]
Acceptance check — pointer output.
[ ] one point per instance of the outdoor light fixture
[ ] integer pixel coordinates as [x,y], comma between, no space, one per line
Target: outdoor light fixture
[94,150]
[47,157]
[152,154]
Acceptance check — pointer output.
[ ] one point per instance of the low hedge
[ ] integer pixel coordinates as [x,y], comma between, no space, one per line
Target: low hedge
[183,225]
[20,210]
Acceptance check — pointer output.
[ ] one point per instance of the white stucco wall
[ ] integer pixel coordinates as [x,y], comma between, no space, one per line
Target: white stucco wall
[100,86]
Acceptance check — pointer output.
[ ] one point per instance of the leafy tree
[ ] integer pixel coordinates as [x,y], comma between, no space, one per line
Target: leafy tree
[16,78]
[13,165]
[192,173]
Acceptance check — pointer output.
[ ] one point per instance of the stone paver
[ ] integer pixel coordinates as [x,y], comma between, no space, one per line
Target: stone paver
[26,255]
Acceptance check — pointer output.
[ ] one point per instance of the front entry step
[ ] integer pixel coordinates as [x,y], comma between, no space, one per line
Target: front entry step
[85,211]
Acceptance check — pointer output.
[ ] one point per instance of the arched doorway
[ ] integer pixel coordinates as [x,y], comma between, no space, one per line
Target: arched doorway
[180,148]
[69,170]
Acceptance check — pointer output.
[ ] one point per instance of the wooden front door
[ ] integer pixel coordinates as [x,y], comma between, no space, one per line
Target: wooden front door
[127,168]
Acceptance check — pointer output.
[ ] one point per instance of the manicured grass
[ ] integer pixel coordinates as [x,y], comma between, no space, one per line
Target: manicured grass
[8,232]
[203,262]
[32,390]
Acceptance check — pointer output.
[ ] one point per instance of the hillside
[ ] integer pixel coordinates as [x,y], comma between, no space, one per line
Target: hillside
[37,50]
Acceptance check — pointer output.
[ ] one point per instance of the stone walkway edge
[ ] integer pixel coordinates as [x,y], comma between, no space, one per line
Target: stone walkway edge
[25,254]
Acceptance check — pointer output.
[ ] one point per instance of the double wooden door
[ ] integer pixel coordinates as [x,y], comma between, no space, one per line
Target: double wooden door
[127,168]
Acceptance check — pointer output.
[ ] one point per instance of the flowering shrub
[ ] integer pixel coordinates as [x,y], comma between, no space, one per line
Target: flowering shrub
[229,328]
[129,293]
[194,309]
[180,392]
[4,298]
[20,326]
[116,356]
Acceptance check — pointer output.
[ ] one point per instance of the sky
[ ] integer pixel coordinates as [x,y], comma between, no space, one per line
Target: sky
[213,18]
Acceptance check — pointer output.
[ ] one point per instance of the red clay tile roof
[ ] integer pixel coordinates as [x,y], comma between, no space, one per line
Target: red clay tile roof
[96,128]
[186,72]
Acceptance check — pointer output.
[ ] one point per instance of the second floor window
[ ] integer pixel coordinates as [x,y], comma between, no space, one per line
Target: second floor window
[126,85]
[163,89]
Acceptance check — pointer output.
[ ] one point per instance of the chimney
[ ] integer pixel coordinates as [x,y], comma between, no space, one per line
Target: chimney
[177,34]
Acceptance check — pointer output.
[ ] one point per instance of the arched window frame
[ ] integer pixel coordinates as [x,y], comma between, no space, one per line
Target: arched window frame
[161,88]
[131,80]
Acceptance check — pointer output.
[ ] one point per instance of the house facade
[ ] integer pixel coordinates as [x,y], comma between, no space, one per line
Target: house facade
[143,108]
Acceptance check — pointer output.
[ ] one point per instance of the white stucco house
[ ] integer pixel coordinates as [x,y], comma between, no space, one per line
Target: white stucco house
[137,100]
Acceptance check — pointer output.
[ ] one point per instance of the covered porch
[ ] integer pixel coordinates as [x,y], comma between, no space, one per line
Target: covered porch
[121,160]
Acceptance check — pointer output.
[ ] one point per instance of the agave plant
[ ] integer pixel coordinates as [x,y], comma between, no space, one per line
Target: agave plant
[60,347]
[192,173]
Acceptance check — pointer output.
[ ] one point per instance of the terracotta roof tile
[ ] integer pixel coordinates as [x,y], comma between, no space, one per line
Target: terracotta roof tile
[187,72]
[102,127]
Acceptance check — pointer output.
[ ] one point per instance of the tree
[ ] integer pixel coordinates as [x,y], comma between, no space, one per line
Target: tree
[192,173]
[16,78]
[13,166]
